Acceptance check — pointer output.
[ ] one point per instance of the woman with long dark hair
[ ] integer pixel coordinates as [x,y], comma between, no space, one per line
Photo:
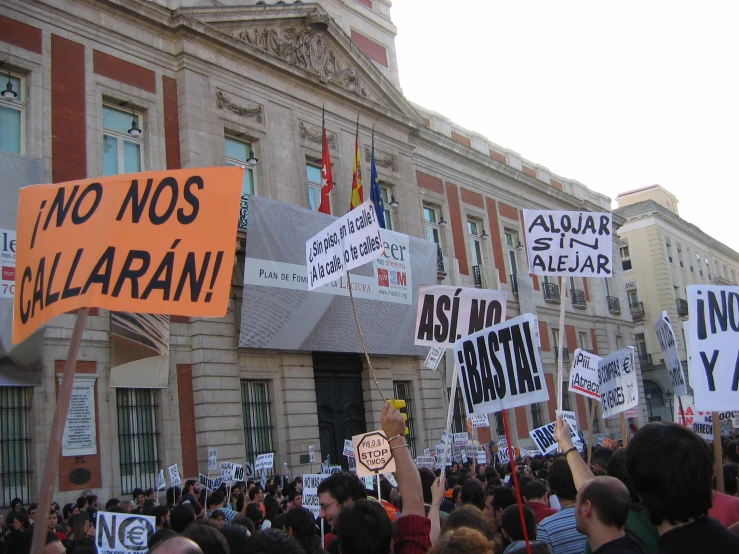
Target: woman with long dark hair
[299,523]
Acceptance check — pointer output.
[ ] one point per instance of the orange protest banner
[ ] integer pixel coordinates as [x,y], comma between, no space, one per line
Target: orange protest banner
[154,242]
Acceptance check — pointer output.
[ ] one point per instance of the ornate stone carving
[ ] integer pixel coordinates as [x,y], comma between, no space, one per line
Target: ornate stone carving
[223,102]
[318,19]
[387,161]
[306,49]
[313,134]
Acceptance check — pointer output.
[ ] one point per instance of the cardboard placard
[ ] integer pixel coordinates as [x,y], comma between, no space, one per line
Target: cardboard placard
[562,243]
[617,381]
[584,374]
[157,242]
[446,314]
[713,346]
[174,476]
[500,368]
[123,533]
[372,453]
[349,242]
[668,345]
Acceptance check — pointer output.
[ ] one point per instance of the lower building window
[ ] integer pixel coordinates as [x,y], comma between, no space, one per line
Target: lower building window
[15,467]
[137,438]
[257,421]
[402,390]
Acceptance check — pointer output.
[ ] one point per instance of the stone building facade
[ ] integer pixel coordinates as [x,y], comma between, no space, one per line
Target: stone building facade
[209,83]
[662,254]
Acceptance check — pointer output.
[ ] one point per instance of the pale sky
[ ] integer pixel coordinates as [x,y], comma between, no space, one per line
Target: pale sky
[617,95]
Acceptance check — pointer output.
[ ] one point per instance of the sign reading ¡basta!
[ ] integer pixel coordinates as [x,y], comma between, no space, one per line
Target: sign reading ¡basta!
[156,242]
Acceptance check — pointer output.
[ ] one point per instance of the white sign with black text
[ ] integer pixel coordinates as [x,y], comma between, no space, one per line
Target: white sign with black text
[713,346]
[349,242]
[668,345]
[544,440]
[446,314]
[123,533]
[212,463]
[174,476]
[348,448]
[264,461]
[619,390]
[7,263]
[310,492]
[577,244]
[434,357]
[584,374]
[480,421]
[500,368]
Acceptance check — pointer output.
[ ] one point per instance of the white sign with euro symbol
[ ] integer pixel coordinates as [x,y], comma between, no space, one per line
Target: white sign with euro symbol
[123,533]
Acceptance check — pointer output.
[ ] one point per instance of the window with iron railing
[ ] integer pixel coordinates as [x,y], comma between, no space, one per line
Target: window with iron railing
[536,416]
[255,406]
[514,284]
[551,291]
[682,307]
[614,305]
[137,438]
[402,390]
[565,353]
[15,442]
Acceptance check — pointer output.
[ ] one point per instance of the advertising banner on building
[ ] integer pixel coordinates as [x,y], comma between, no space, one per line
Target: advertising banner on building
[278,310]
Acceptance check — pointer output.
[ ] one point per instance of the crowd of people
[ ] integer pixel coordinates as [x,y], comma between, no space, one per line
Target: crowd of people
[656,495]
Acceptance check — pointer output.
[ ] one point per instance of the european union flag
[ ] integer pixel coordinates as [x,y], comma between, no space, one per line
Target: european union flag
[375,192]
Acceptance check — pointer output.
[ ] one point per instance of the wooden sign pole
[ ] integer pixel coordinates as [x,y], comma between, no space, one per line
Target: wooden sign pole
[560,348]
[717,455]
[46,492]
[624,429]
[590,434]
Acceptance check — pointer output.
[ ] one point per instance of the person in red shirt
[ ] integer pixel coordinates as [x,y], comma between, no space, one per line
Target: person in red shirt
[536,495]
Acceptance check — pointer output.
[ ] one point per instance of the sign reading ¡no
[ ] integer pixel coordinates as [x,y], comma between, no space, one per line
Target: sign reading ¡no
[156,242]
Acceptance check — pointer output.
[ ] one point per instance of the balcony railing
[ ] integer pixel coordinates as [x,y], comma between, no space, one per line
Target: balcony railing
[578,298]
[637,310]
[551,292]
[565,353]
[514,284]
[614,304]
[439,260]
[477,276]
[645,360]
[244,212]
[682,307]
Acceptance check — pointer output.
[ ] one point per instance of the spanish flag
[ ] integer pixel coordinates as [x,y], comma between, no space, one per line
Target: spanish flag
[357,192]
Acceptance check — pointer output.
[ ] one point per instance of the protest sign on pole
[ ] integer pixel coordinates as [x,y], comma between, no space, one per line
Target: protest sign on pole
[117,533]
[237,473]
[617,382]
[174,476]
[348,448]
[461,439]
[446,314]
[713,346]
[434,357]
[668,345]
[503,452]
[310,492]
[570,418]
[499,368]
[161,485]
[212,464]
[227,470]
[372,453]
[480,421]
[264,461]
[544,440]
[584,374]
[425,461]
[312,454]
[349,242]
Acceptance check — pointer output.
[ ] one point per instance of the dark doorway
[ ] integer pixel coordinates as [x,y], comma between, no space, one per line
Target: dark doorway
[340,402]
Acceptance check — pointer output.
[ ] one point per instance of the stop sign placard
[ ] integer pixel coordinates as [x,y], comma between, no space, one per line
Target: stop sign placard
[373,454]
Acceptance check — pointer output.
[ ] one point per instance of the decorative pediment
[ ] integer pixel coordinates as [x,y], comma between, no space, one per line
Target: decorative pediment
[381,159]
[309,50]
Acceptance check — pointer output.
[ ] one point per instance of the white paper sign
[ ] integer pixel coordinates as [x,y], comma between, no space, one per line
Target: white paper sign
[7,263]
[446,314]
[369,482]
[703,425]
[312,454]
[480,421]
[372,453]
[425,461]
[504,455]
[236,475]
[544,440]
[577,244]
[618,384]
[174,476]
[434,357]
[569,417]
[161,484]
[349,242]
[461,439]
[249,470]
[310,492]
[482,457]
[264,461]
[668,345]
[80,437]
[212,464]
[499,367]
[391,479]
[348,448]
[713,346]
[123,533]
[227,470]
[584,374]
[440,455]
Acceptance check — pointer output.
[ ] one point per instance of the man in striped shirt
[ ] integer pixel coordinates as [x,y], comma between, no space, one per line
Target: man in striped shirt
[217,501]
[559,529]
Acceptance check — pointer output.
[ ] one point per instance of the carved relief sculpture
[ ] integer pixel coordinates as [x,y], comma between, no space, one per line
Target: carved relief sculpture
[306,49]
[388,160]
[223,102]
[313,134]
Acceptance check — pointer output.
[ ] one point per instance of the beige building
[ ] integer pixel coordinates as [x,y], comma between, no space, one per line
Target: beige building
[661,255]
[210,85]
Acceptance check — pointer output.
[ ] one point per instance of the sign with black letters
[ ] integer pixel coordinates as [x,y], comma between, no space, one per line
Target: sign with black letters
[619,390]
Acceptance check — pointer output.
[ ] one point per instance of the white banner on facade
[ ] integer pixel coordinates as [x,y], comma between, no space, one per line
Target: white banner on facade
[668,345]
[584,374]
[349,242]
[446,314]
[713,346]
[617,380]
[80,430]
[499,367]
[569,244]
[7,263]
